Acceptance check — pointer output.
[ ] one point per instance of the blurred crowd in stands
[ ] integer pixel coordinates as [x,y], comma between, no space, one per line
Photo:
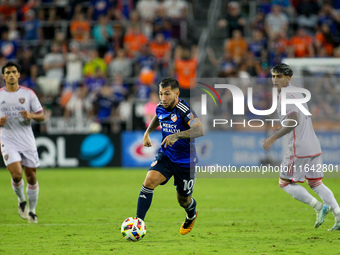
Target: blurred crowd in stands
[98,59]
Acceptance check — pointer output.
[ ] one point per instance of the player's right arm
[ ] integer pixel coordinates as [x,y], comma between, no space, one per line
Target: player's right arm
[294,121]
[152,126]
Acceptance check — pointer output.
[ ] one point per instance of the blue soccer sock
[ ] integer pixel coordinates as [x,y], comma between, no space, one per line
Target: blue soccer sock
[191,209]
[144,201]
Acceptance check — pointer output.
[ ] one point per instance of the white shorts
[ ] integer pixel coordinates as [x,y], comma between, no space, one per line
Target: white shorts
[297,169]
[27,158]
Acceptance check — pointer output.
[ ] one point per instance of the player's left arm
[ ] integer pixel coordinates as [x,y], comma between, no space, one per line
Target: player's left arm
[39,116]
[195,130]
[292,122]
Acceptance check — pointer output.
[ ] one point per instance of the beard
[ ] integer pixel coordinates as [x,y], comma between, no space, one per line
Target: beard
[171,105]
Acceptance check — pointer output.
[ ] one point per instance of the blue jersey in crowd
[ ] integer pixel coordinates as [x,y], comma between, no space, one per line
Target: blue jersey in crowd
[183,151]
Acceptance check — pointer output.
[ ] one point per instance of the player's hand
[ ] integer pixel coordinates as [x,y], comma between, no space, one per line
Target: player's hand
[147,141]
[26,115]
[169,140]
[267,144]
[3,120]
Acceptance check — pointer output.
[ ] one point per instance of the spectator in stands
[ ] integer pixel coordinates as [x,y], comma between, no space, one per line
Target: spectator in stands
[276,21]
[95,82]
[134,40]
[79,106]
[147,10]
[161,50]
[98,8]
[8,9]
[330,16]
[74,64]
[286,6]
[257,44]
[185,69]
[324,41]
[307,15]
[26,59]
[8,48]
[144,60]
[32,30]
[278,49]
[118,37]
[233,20]
[302,45]
[79,27]
[237,46]
[120,65]
[259,22]
[54,63]
[175,9]
[162,23]
[120,89]
[150,108]
[102,34]
[13,32]
[94,62]
[30,80]
[125,7]
[104,104]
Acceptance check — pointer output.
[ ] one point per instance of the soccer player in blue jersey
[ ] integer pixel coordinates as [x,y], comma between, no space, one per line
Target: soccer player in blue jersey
[177,155]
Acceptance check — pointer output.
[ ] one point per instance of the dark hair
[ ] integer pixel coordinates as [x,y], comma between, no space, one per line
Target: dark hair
[282,69]
[169,82]
[10,64]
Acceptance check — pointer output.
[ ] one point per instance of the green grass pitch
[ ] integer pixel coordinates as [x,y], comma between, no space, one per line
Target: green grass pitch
[80,212]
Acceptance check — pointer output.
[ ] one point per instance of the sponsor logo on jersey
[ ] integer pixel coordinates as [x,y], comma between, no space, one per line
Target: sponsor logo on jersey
[174,117]
[190,116]
[22,100]
[6,157]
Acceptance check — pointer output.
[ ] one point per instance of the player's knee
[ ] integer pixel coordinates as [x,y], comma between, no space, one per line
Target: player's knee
[150,183]
[283,183]
[313,183]
[16,177]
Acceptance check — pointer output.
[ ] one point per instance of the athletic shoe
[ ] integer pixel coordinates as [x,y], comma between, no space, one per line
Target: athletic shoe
[32,218]
[22,210]
[320,215]
[187,225]
[336,226]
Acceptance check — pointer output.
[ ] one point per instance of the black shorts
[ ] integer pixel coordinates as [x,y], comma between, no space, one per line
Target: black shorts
[184,178]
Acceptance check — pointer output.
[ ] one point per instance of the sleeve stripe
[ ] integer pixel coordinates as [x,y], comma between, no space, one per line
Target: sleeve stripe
[184,106]
[181,108]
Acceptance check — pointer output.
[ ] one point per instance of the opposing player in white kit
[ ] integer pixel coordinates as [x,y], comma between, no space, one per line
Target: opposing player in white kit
[18,106]
[303,159]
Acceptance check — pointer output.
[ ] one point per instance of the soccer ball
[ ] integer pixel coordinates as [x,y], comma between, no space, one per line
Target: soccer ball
[133,229]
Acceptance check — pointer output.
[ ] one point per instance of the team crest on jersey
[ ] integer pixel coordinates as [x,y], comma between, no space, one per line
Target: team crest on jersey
[173,117]
[22,100]
[6,157]
[154,163]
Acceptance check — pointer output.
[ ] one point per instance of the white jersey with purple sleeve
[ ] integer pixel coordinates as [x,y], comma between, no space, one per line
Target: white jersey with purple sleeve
[302,139]
[17,133]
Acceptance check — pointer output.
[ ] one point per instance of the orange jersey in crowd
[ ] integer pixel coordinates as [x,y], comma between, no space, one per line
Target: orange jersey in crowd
[237,48]
[327,46]
[159,50]
[134,43]
[80,27]
[185,70]
[300,45]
